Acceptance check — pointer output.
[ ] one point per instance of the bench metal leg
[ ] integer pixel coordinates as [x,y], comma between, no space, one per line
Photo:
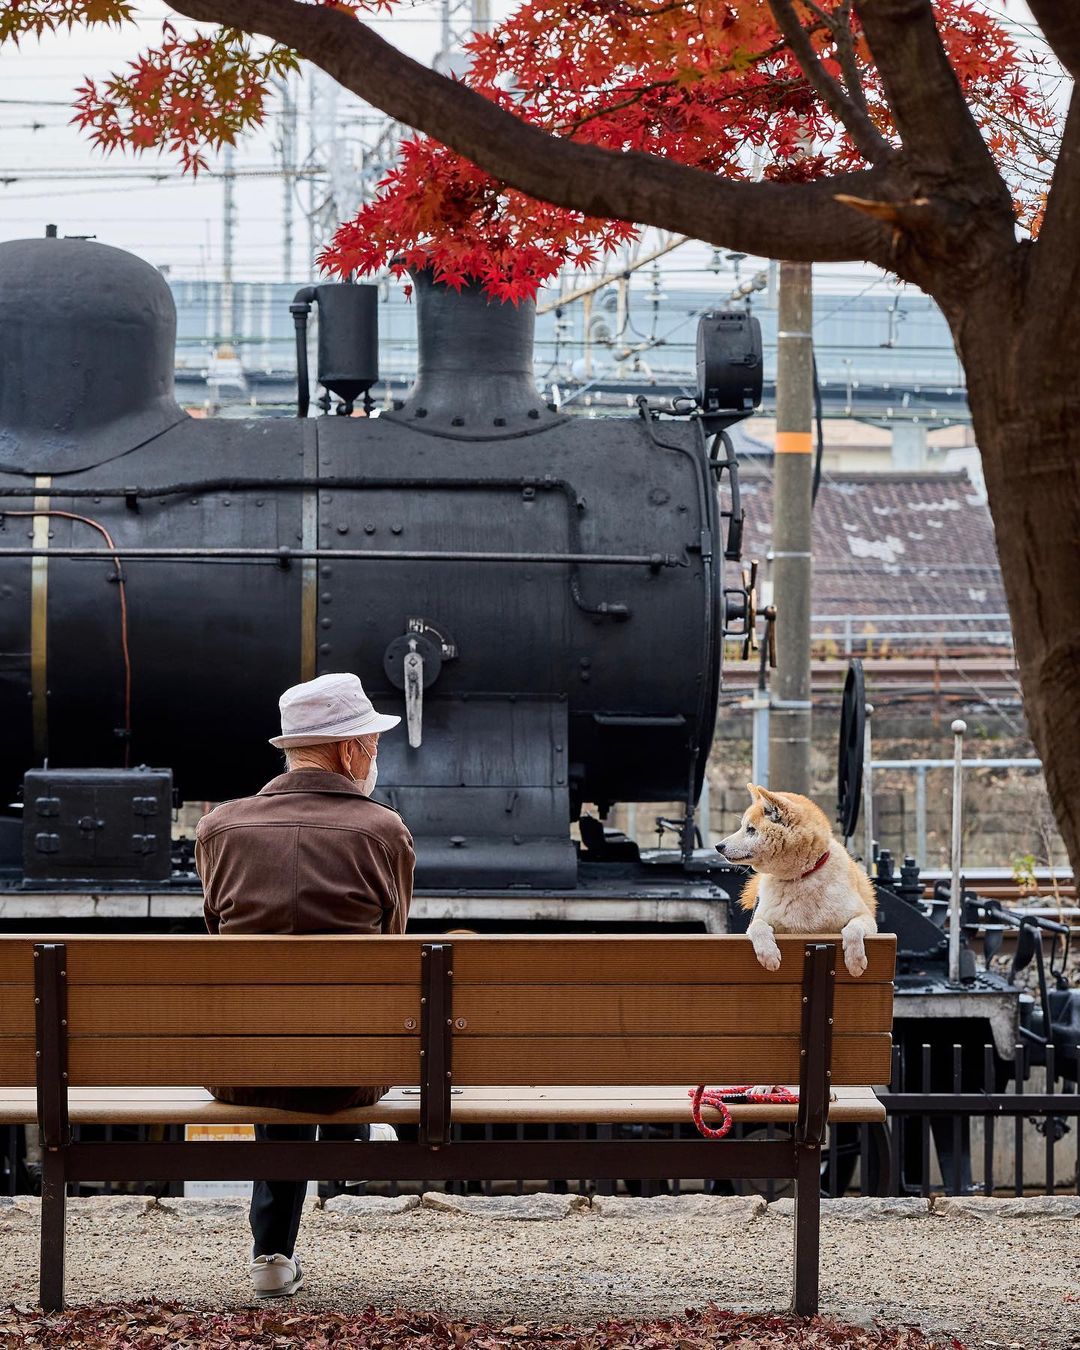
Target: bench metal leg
[807,1230]
[53,1224]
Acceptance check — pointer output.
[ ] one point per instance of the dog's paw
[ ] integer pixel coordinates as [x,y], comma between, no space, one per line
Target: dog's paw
[768,956]
[855,958]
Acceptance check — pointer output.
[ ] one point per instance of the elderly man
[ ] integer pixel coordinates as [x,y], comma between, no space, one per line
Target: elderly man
[311,852]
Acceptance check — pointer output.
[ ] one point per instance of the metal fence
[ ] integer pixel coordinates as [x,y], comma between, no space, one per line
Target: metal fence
[921,767]
[862,634]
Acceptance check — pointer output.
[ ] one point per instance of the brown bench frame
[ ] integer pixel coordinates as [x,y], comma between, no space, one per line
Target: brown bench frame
[434,1157]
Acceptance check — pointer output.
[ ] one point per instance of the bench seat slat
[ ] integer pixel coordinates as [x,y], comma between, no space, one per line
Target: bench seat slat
[333,959]
[227,1010]
[488,1010]
[479,1060]
[472,1106]
[286,1061]
[529,1061]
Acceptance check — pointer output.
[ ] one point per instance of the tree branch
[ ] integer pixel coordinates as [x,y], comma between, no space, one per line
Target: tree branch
[1060,24]
[870,143]
[840,23]
[943,144]
[801,222]
[1055,265]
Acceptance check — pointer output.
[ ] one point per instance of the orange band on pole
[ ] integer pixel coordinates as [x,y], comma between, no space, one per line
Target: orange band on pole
[793,443]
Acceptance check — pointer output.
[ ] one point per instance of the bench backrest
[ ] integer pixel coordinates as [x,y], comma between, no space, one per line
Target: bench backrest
[533,1011]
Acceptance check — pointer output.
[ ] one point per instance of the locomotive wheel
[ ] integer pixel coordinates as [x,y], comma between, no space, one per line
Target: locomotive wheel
[845,1139]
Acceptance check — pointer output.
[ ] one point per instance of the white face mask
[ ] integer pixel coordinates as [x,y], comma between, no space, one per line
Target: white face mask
[367,787]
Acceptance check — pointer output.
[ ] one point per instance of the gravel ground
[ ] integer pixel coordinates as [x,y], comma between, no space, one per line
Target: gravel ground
[990,1275]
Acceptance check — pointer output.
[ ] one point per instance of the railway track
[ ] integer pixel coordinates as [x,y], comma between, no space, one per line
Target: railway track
[949,677]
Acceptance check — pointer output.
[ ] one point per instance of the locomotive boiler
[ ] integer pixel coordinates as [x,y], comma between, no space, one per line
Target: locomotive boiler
[542,598]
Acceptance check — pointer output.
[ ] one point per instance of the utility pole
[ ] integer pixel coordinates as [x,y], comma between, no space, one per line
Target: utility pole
[789,737]
[287,148]
[227,326]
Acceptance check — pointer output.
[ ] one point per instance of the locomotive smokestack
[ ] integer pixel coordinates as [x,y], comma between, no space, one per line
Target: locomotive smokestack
[474,377]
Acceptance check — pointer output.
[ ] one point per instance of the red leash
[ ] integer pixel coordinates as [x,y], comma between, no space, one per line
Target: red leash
[717,1099]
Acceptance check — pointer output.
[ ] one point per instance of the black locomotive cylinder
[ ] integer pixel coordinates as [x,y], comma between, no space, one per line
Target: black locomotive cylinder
[539,594]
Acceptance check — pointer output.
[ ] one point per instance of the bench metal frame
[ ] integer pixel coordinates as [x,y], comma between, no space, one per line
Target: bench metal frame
[434,1157]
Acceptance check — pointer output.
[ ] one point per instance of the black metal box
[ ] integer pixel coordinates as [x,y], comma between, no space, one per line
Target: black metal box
[97,824]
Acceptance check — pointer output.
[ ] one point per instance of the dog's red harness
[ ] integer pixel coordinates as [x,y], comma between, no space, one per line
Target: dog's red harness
[718,1098]
[820,863]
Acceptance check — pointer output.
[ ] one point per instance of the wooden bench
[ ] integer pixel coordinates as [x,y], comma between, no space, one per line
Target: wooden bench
[122,1030]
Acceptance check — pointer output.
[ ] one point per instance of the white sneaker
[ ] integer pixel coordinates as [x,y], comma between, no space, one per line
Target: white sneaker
[382,1134]
[276,1276]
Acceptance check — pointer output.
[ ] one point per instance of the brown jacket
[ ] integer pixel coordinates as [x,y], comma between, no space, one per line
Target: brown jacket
[308,854]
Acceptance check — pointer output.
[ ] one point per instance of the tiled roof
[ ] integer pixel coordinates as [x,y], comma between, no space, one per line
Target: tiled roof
[892,543]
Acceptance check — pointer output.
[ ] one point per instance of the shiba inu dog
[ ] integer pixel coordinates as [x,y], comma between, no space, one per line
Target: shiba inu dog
[806,882]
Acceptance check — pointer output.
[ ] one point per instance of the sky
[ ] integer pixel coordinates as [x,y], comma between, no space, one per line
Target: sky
[49,172]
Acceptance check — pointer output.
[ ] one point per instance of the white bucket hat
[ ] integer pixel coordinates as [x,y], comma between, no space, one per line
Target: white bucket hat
[329,708]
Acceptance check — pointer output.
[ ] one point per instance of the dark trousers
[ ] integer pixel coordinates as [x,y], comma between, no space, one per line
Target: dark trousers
[276,1206]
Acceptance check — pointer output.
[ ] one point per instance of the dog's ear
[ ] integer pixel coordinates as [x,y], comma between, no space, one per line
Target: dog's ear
[754,791]
[774,805]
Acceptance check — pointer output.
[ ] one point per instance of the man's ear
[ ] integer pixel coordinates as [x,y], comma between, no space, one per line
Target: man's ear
[775,809]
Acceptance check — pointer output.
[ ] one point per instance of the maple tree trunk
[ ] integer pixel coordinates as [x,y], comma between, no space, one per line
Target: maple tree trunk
[1025,403]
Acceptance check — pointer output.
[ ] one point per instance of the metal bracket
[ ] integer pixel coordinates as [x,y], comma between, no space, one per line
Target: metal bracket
[815,1078]
[436,1041]
[50,1006]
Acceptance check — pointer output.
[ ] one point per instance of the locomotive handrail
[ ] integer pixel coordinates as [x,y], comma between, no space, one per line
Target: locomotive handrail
[575,503]
[286,555]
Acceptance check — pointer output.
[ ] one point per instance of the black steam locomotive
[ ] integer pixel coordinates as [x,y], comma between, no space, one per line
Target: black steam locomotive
[542,598]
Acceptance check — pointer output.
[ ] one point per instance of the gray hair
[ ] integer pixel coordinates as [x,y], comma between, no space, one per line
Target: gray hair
[324,756]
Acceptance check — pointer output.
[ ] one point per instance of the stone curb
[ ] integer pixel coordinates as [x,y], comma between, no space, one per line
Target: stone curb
[504,1207]
[985,1207]
[859,1209]
[727,1208]
[369,1206]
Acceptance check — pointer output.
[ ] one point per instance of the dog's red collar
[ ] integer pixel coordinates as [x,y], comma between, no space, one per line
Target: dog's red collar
[820,863]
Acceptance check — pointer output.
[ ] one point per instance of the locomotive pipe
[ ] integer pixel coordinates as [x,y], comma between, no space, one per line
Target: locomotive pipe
[202,486]
[300,309]
[286,555]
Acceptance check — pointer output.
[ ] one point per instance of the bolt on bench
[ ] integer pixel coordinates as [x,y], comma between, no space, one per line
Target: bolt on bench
[123,1030]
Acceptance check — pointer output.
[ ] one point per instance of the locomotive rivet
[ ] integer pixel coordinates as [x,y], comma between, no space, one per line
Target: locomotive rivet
[324,648]
[396,529]
[326,597]
[325,572]
[258,501]
[343,528]
[325,623]
[369,528]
